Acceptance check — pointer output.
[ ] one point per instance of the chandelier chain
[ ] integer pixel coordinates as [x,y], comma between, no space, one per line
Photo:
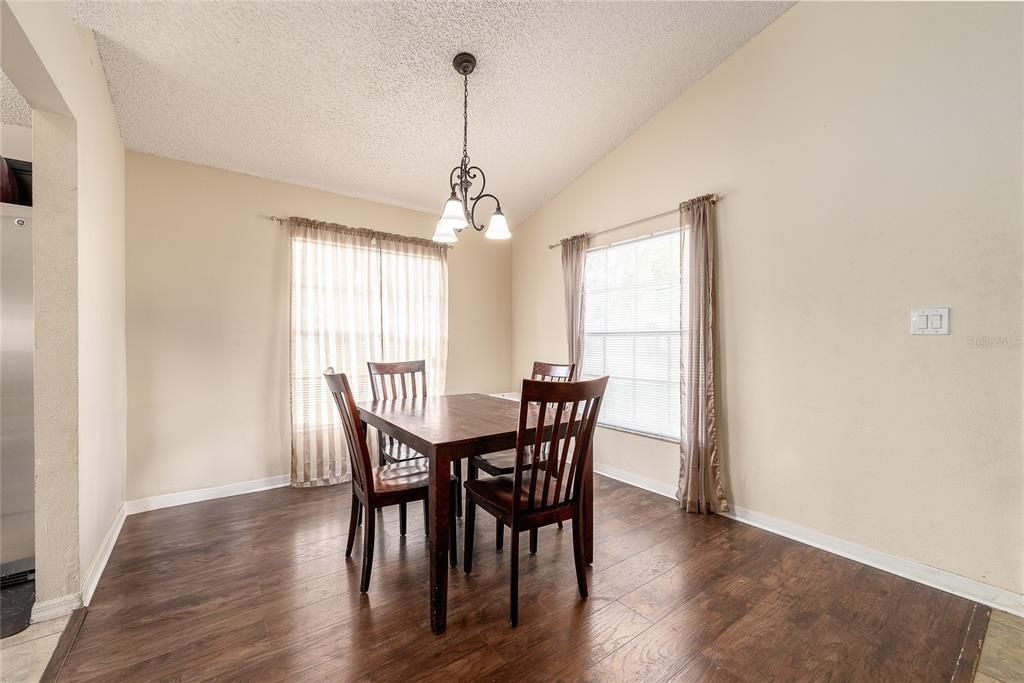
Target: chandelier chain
[465,121]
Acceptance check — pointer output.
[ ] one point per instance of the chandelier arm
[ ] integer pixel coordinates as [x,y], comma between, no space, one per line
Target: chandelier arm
[472,213]
[483,180]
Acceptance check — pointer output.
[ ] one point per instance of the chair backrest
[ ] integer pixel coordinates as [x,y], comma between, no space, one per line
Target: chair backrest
[383,376]
[358,451]
[553,372]
[563,416]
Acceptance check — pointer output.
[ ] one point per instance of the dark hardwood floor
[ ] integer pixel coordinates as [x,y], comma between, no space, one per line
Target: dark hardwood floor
[257,588]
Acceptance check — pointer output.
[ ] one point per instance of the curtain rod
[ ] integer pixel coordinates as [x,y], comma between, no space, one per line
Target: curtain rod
[714,200]
[377,234]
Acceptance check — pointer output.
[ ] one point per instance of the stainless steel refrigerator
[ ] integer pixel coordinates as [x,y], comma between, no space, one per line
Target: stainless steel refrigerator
[17,490]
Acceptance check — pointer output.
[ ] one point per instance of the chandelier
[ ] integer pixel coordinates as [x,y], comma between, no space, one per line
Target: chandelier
[460,209]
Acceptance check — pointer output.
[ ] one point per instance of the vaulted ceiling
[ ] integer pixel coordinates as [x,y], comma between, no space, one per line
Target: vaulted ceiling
[361,98]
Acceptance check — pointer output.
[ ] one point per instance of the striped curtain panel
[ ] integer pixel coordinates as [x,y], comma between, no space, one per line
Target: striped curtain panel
[356,296]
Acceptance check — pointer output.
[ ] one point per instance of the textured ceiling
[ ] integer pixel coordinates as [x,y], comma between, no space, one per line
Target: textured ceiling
[361,98]
[13,108]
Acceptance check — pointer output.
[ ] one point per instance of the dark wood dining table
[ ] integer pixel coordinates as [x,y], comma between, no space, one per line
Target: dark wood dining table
[446,429]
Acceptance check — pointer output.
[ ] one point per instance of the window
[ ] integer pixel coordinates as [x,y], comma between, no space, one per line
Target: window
[632,332]
[357,299]
[357,296]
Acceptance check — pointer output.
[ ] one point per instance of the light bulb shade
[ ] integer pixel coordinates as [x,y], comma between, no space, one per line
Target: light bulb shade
[453,219]
[453,213]
[445,232]
[497,229]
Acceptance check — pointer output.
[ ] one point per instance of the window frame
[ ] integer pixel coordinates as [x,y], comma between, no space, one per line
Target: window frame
[635,333]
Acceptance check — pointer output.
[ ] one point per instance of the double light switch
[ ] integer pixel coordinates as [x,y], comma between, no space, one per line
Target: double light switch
[929,321]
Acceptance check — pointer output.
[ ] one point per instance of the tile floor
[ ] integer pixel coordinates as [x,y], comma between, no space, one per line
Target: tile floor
[1002,654]
[24,656]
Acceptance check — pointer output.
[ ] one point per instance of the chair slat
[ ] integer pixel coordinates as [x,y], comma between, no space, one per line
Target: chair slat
[560,463]
[556,427]
[535,456]
[575,468]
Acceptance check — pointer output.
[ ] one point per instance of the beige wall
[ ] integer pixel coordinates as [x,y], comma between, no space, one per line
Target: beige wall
[208,319]
[102,363]
[55,363]
[58,70]
[869,156]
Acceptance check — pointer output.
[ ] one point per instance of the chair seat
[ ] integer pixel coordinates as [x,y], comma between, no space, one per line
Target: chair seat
[496,464]
[502,462]
[499,492]
[396,452]
[401,477]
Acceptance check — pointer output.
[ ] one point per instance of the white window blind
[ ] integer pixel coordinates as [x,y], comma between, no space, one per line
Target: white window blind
[632,332]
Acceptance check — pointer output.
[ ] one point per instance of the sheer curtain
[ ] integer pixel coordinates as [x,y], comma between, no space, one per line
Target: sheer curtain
[356,296]
[414,295]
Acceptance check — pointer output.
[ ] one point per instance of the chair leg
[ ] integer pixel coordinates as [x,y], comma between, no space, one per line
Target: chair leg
[577,554]
[559,525]
[499,534]
[353,521]
[426,517]
[469,527]
[403,518]
[533,541]
[513,609]
[369,527]
[358,509]
[453,531]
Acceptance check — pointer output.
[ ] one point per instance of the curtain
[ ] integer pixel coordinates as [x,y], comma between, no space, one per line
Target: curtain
[414,316]
[574,269]
[700,478]
[356,296]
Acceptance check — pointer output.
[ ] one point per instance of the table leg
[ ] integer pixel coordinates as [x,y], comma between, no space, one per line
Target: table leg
[440,500]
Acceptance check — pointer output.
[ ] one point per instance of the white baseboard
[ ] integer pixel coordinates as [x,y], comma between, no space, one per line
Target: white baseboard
[636,480]
[99,563]
[993,596]
[57,607]
[186,497]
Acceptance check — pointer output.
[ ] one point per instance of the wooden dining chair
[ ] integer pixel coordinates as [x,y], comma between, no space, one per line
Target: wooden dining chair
[404,379]
[501,463]
[374,488]
[557,419]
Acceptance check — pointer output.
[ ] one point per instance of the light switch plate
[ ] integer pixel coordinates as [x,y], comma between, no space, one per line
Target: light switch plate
[929,321]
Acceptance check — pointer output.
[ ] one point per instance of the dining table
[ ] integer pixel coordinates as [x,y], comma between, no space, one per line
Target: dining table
[447,429]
